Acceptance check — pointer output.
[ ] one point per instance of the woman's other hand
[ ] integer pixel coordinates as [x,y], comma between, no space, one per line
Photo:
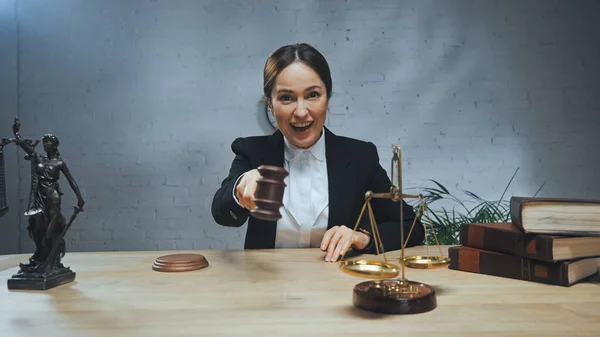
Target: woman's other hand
[339,239]
[244,191]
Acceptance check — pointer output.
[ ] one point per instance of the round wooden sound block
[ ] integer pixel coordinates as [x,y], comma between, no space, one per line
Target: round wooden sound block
[394,296]
[179,262]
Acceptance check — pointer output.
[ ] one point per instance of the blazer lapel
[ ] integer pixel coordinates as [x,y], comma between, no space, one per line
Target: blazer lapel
[339,175]
[274,154]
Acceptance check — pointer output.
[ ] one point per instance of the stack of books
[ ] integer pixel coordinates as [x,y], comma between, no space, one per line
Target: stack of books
[549,240]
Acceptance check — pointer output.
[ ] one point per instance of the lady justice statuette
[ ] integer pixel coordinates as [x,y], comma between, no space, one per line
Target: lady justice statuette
[46,224]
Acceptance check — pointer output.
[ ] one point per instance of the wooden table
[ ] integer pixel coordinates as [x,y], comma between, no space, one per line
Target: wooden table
[283,292]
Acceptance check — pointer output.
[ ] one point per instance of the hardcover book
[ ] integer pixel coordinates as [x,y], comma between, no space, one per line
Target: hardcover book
[561,273]
[560,216]
[507,238]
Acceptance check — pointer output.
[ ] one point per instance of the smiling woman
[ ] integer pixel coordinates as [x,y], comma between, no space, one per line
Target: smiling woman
[299,104]
[297,90]
[328,174]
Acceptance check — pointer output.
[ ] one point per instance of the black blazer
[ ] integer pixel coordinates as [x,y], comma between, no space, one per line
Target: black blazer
[353,168]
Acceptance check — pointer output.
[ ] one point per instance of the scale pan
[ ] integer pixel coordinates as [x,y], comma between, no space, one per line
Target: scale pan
[426,262]
[369,269]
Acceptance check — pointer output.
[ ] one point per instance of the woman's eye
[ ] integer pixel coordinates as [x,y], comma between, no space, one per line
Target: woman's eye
[313,94]
[285,98]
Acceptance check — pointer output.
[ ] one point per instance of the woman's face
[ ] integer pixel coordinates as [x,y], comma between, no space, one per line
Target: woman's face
[49,145]
[299,104]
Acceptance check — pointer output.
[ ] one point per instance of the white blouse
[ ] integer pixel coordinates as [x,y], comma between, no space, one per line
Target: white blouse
[305,209]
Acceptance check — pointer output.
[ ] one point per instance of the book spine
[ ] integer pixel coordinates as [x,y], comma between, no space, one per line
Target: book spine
[536,247]
[491,239]
[539,247]
[515,209]
[509,266]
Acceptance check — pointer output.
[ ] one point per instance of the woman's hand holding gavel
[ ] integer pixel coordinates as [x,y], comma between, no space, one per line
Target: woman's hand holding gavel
[261,191]
[245,189]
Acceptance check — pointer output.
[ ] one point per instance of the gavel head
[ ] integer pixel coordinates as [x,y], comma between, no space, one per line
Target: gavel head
[269,192]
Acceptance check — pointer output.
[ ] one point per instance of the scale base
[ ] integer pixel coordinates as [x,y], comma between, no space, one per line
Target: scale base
[394,297]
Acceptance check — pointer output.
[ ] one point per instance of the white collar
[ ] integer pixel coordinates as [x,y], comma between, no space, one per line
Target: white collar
[317,150]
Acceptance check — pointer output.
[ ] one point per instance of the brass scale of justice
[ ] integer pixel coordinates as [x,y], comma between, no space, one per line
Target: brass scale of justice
[385,293]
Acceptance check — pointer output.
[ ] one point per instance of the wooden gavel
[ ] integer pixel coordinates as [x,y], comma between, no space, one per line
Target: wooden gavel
[268,197]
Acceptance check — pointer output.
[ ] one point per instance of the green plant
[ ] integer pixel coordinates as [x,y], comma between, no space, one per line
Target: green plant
[447,222]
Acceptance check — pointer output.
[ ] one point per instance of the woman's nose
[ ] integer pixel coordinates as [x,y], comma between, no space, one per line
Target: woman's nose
[301,110]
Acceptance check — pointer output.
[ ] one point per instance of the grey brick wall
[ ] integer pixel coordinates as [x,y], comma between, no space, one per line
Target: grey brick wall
[146,97]
[9,224]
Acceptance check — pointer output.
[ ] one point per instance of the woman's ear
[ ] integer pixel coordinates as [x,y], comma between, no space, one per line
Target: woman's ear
[269,103]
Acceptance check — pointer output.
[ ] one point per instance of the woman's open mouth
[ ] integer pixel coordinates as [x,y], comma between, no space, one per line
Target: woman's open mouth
[301,127]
